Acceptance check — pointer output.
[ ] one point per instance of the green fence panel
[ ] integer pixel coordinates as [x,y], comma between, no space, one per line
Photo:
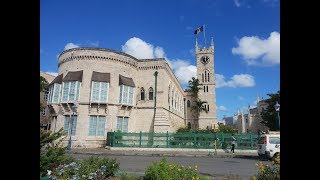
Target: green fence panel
[181,140]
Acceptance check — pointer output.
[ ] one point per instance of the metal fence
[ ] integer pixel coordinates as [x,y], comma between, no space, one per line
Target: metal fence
[181,140]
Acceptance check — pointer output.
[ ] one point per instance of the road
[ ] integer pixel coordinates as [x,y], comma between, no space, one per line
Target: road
[243,168]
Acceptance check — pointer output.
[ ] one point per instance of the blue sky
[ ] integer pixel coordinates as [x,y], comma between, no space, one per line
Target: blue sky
[246,35]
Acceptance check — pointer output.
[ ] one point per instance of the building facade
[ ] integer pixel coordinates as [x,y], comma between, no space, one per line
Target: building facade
[115,91]
[44,113]
[250,122]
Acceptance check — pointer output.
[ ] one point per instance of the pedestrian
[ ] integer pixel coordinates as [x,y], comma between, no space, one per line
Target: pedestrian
[233,143]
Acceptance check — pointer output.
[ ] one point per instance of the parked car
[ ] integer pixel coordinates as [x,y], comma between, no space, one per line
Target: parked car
[269,145]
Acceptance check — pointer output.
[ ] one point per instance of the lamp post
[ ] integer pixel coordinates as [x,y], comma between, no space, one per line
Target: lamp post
[74,109]
[277,107]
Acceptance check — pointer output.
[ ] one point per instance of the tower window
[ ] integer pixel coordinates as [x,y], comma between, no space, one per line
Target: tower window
[208,77]
[202,77]
[205,77]
[208,107]
[150,93]
[142,93]
[207,89]
[188,103]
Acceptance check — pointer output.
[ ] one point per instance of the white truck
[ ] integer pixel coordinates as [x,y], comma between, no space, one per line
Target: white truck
[269,145]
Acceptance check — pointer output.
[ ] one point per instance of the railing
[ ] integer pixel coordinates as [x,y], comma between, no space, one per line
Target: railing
[180,140]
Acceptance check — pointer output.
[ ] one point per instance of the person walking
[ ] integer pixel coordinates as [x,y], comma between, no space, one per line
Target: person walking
[233,143]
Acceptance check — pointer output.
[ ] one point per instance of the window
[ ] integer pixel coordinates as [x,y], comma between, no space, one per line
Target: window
[207,89]
[274,140]
[99,91]
[142,93]
[70,91]
[188,103]
[126,95]
[208,77]
[46,93]
[97,125]
[67,123]
[202,77]
[204,88]
[54,93]
[122,124]
[43,111]
[150,93]
[208,107]
[246,120]
[205,76]
[189,125]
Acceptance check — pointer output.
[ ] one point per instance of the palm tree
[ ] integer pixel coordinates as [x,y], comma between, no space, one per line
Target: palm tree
[193,87]
[199,106]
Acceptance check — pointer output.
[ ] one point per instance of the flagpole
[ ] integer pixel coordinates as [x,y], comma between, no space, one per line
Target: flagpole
[204,34]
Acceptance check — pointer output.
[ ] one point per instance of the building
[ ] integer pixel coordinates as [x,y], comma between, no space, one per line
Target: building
[115,91]
[44,114]
[250,122]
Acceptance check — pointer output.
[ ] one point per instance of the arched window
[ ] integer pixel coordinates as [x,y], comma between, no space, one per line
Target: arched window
[188,103]
[150,93]
[205,77]
[204,88]
[202,77]
[208,77]
[142,93]
[207,89]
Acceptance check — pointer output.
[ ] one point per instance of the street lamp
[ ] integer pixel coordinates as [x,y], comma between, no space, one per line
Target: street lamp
[277,107]
[74,108]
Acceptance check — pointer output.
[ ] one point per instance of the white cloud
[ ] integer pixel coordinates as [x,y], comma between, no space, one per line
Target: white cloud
[237,3]
[258,51]
[222,108]
[192,52]
[52,73]
[140,49]
[237,80]
[240,98]
[70,46]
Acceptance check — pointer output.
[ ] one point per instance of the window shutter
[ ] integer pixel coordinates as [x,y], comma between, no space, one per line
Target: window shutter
[120,98]
[95,91]
[103,91]
[92,125]
[74,125]
[125,95]
[130,95]
[77,90]
[125,124]
[101,125]
[65,91]
[72,91]
[119,123]
[66,124]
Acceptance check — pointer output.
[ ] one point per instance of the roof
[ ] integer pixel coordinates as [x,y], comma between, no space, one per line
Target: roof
[126,81]
[58,79]
[100,77]
[73,76]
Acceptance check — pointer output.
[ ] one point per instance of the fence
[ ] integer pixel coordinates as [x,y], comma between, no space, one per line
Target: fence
[180,140]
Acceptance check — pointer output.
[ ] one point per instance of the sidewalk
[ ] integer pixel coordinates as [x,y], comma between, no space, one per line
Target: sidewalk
[169,152]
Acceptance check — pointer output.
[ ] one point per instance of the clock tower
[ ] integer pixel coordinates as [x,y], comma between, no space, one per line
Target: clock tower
[206,77]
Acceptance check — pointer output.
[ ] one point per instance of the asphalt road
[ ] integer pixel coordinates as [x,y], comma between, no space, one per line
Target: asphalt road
[243,168]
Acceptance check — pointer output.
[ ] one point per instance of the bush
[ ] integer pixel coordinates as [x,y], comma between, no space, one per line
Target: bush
[90,168]
[267,172]
[52,154]
[163,170]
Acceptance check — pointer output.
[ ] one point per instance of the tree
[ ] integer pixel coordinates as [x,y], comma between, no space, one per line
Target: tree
[270,115]
[44,86]
[225,128]
[199,106]
[193,87]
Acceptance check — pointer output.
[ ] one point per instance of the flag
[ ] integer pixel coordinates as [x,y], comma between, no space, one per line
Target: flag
[197,31]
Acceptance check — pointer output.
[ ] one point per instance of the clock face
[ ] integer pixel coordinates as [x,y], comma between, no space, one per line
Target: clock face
[205,59]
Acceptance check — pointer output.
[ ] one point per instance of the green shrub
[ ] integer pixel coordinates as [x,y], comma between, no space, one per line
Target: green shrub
[90,168]
[267,172]
[163,170]
[52,153]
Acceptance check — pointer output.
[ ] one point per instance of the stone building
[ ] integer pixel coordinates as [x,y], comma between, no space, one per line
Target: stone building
[250,122]
[116,91]
[44,114]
